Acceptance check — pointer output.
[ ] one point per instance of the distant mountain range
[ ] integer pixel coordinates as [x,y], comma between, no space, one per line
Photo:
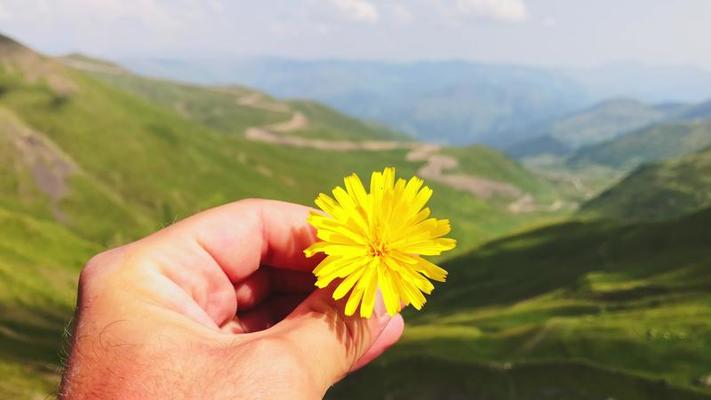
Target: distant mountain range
[652,84]
[653,143]
[456,102]
[617,133]
[598,123]
[445,102]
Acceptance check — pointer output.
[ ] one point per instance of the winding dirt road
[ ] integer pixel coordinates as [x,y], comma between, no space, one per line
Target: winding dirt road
[435,168]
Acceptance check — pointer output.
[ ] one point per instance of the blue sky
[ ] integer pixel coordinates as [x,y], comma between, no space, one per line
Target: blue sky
[534,32]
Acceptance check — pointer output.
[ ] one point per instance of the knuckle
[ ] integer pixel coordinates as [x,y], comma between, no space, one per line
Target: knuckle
[97,266]
[250,202]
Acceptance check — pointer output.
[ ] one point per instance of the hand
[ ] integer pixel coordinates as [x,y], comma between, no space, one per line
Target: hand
[218,306]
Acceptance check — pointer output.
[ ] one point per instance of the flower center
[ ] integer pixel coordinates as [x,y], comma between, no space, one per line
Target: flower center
[378,249]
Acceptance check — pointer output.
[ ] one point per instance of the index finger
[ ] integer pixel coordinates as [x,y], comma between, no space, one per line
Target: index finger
[243,235]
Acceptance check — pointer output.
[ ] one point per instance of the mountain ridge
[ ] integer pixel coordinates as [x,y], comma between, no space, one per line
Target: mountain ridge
[657,191]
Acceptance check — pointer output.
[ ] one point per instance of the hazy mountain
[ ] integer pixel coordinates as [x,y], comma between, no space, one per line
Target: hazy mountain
[454,101]
[653,84]
[654,143]
[536,146]
[696,111]
[445,101]
[598,123]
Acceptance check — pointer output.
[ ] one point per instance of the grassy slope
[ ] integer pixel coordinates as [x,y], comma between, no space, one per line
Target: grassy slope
[577,310]
[39,262]
[604,121]
[658,191]
[220,108]
[657,142]
[482,161]
[475,221]
[598,123]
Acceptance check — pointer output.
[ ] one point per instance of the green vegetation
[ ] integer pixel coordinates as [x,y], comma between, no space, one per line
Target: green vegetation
[39,265]
[605,121]
[575,310]
[658,191]
[233,109]
[654,143]
[486,162]
[601,122]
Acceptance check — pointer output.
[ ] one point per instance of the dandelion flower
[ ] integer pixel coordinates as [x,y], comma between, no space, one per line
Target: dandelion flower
[375,241]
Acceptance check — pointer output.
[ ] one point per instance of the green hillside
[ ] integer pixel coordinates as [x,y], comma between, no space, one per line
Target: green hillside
[605,121]
[578,310]
[39,264]
[538,146]
[232,108]
[658,191]
[658,142]
[92,157]
[598,123]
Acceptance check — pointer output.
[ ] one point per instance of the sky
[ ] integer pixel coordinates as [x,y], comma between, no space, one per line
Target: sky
[530,32]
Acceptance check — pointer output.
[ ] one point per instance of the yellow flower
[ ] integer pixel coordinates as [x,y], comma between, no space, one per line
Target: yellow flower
[375,240]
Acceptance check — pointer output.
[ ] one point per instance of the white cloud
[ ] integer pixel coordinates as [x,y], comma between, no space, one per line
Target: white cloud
[155,14]
[358,10]
[502,10]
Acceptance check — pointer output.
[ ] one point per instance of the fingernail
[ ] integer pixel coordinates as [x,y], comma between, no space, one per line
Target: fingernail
[380,311]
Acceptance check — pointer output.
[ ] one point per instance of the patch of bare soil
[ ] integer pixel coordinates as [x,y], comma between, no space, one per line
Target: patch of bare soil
[527,204]
[49,166]
[483,188]
[267,136]
[298,121]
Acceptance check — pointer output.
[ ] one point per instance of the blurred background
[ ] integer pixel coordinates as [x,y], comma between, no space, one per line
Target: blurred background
[569,143]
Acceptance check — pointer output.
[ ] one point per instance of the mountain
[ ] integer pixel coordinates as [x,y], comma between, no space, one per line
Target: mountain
[658,191]
[598,123]
[697,111]
[441,101]
[578,310]
[92,156]
[649,83]
[457,101]
[657,142]
[538,146]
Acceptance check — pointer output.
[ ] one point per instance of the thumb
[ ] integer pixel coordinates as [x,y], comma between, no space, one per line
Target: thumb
[332,343]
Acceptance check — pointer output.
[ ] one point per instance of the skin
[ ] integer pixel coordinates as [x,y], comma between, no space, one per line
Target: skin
[218,306]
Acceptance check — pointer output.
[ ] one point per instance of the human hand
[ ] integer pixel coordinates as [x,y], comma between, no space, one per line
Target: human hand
[218,306]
